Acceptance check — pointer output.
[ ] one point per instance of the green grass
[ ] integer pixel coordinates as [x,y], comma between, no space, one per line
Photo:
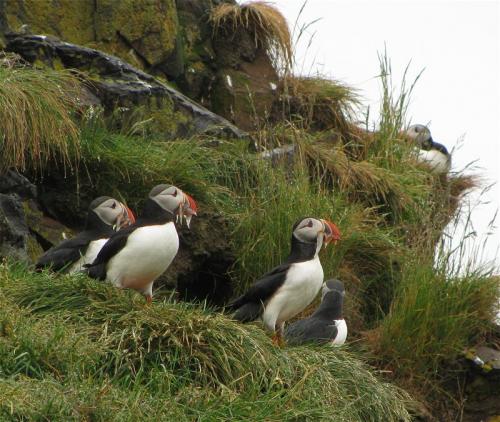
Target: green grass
[72,349]
[37,128]
[434,317]
[318,103]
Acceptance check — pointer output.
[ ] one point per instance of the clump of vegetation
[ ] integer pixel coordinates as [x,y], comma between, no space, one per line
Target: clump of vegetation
[37,125]
[176,359]
[433,318]
[264,22]
[71,348]
[319,103]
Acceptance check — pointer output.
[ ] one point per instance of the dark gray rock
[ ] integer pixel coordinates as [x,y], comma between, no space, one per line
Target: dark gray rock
[14,232]
[201,269]
[13,182]
[117,83]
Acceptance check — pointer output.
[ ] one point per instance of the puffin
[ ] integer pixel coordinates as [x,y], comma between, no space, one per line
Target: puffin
[136,256]
[433,154]
[326,324]
[105,215]
[290,287]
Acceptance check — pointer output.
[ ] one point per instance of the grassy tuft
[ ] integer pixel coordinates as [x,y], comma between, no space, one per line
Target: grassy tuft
[264,22]
[36,106]
[320,104]
[433,318]
[136,359]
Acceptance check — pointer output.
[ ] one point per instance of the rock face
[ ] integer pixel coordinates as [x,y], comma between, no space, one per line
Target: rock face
[201,268]
[140,31]
[482,386]
[118,84]
[13,182]
[170,39]
[14,231]
[245,86]
[25,232]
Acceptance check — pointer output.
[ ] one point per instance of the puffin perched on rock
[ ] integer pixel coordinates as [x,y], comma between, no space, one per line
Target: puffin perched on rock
[105,215]
[287,289]
[433,154]
[326,324]
[137,255]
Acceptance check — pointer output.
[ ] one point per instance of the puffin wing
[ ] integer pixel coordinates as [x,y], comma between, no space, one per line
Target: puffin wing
[66,253]
[310,330]
[114,245]
[249,306]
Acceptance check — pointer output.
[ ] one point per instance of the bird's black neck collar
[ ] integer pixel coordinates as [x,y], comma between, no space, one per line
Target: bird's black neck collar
[440,147]
[301,251]
[331,306]
[153,214]
[95,224]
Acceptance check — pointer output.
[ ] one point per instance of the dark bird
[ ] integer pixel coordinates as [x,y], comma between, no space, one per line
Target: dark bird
[136,256]
[287,289]
[432,154]
[105,215]
[326,324]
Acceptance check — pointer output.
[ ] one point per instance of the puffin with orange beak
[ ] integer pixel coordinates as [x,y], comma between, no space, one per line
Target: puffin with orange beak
[135,257]
[105,216]
[289,288]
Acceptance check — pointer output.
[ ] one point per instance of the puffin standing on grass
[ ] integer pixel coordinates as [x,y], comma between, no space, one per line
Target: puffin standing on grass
[327,324]
[433,154]
[105,215]
[287,289]
[135,257]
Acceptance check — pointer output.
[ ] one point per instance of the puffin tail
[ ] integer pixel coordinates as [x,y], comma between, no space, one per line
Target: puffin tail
[97,271]
[248,312]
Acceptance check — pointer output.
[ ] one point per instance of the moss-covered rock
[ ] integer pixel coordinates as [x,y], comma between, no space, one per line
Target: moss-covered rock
[144,30]
[118,84]
[69,19]
[246,95]
[149,27]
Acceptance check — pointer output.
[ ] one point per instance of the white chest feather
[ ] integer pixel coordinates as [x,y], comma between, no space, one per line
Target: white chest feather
[341,332]
[438,162]
[90,254]
[148,253]
[302,284]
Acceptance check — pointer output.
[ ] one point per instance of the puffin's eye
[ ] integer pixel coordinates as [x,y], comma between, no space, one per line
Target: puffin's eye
[175,193]
[114,205]
[309,224]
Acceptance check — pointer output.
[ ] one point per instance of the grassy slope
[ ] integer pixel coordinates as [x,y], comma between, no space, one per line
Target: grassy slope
[71,348]
[74,349]
[36,108]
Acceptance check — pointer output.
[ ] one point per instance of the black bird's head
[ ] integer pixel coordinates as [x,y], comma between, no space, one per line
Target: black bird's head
[175,201]
[106,211]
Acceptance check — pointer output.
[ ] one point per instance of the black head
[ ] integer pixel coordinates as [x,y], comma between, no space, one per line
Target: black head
[332,301]
[308,235]
[167,202]
[107,212]
[421,135]
[332,284]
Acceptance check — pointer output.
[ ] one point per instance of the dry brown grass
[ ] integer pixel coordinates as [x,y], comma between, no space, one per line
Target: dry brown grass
[363,180]
[321,104]
[36,125]
[448,193]
[264,22]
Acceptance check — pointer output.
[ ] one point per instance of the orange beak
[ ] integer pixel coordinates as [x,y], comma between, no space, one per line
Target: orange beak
[188,209]
[332,232]
[130,216]
[191,206]
[125,219]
